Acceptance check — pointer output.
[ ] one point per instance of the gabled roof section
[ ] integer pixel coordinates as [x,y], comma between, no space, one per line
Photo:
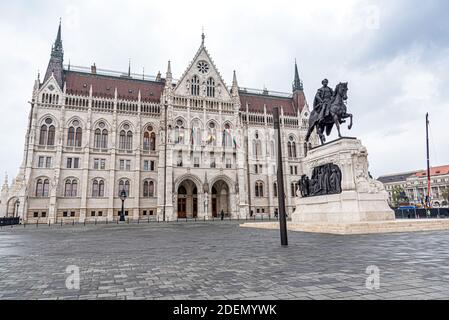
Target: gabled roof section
[202,55]
[104,86]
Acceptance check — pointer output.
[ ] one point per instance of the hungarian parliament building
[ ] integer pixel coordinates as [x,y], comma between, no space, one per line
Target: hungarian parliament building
[188,148]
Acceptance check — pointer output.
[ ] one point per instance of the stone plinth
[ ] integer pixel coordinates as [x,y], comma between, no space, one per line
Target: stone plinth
[372,227]
[362,198]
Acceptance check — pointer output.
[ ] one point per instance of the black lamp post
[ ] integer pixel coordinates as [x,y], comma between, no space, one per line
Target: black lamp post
[123,197]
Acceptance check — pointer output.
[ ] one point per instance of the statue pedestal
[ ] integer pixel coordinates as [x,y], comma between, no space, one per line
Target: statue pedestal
[362,199]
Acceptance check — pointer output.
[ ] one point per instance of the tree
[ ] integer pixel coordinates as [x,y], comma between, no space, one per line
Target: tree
[445,195]
[398,195]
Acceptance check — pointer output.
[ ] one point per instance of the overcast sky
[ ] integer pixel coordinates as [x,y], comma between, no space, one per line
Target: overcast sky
[394,54]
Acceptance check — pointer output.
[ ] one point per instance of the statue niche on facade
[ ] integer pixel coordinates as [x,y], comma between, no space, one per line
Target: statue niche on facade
[325,180]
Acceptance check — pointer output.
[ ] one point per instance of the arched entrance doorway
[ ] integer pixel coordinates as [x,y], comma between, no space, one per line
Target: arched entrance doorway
[187,206]
[220,199]
[12,207]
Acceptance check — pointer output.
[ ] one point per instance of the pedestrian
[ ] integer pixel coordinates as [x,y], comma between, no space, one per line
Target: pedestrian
[222,214]
[276,213]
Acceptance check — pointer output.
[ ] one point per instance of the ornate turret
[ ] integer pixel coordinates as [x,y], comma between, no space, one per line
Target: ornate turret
[297,83]
[235,86]
[5,187]
[168,76]
[55,65]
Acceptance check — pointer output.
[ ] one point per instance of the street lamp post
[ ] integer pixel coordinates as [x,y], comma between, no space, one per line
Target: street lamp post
[123,197]
[17,210]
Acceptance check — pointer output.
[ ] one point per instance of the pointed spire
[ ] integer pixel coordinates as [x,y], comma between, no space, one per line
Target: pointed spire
[297,83]
[55,65]
[5,186]
[168,76]
[235,86]
[202,37]
[143,73]
[129,68]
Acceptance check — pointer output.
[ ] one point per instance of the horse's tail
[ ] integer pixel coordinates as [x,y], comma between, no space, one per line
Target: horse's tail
[329,127]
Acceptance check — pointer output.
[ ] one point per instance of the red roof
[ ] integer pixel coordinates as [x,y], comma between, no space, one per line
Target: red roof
[256,103]
[104,86]
[435,171]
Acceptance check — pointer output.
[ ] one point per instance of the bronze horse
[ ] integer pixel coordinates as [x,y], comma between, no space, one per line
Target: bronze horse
[337,112]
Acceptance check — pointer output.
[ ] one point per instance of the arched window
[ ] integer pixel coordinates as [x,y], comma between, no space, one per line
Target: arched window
[275,189]
[195,138]
[68,188]
[227,137]
[104,139]
[39,188]
[43,135]
[291,146]
[210,87]
[97,139]
[259,189]
[47,133]
[42,187]
[148,188]
[126,138]
[51,136]
[149,139]
[257,148]
[71,188]
[212,134]
[74,134]
[179,132]
[294,187]
[101,188]
[195,89]
[123,185]
[71,137]
[97,188]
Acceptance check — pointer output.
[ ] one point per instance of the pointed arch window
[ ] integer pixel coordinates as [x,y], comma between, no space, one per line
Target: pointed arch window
[179,132]
[42,188]
[275,189]
[148,189]
[126,138]
[123,185]
[71,188]
[195,88]
[74,134]
[43,135]
[259,189]
[227,136]
[47,133]
[211,87]
[98,188]
[149,139]
[291,146]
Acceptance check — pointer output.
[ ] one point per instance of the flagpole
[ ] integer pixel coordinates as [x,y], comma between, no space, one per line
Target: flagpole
[428,161]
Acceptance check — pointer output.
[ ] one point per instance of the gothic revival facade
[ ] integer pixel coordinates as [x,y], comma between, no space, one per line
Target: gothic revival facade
[180,149]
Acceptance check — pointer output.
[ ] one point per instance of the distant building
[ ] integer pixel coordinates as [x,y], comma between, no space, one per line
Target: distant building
[414,184]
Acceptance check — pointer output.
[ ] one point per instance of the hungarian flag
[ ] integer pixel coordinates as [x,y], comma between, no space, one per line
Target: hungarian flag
[191,136]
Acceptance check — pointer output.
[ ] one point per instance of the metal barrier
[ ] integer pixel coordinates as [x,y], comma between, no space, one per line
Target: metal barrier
[434,213]
[9,221]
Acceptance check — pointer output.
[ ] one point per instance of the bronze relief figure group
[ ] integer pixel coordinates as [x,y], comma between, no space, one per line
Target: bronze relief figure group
[325,180]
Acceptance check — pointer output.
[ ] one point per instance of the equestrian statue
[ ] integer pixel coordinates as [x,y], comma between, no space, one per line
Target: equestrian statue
[329,109]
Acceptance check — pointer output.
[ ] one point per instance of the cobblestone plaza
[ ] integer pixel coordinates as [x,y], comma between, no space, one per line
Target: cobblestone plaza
[217,260]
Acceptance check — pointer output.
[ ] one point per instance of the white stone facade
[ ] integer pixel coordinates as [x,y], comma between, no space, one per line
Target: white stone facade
[94,134]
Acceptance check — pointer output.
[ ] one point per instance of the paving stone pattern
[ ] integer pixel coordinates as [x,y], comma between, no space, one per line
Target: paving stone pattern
[218,260]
